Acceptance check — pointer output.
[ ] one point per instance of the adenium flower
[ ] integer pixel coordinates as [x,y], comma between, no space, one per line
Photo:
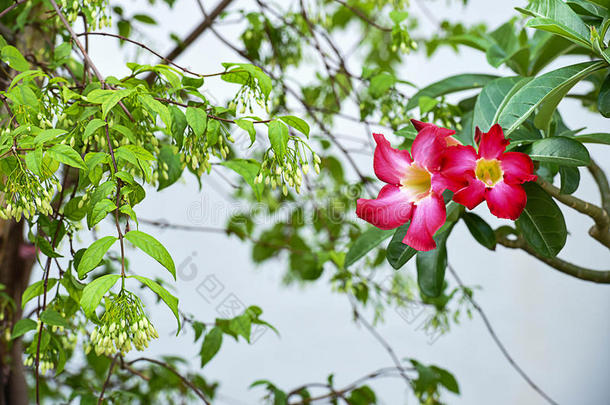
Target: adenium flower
[490,174]
[415,186]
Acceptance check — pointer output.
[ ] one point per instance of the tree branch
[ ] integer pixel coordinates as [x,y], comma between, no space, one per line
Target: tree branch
[601,230]
[596,276]
[602,183]
[100,400]
[200,29]
[496,339]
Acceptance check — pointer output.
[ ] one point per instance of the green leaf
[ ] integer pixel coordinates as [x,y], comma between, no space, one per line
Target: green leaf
[213,132]
[112,100]
[93,126]
[367,241]
[33,160]
[95,290]
[211,345]
[94,255]
[146,19]
[297,123]
[155,107]
[480,230]
[36,289]
[601,138]
[22,327]
[178,124]
[450,85]
[559,150]
[492,99]
[398,253]
[47,135]
[548,88]
[381,83]
[431,265]
[247,126]
[426,104]
[248,169]
[197,119]
[99,211]
[603,99]
[278,136]
[164,295]
[570,178]
[53,318]
[14,58]
[153,248]
[557,17]
[66,155]
[542,223]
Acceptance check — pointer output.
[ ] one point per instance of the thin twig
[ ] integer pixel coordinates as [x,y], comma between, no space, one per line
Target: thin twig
[499,343]
[100,400]
[363,16]
[189,384]
[11,7]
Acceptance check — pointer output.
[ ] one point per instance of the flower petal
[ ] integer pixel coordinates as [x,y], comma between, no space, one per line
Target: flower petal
[493,143]
[428,147]
[389,163]
[428,216]
[472,195]
[457,166]
[440,131]
[506,200]
[517,167]
[389,210]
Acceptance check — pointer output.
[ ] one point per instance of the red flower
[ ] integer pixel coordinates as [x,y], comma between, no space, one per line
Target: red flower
[414,186]
[491,174]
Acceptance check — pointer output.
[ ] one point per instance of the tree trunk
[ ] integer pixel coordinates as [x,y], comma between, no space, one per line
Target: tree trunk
[16,262]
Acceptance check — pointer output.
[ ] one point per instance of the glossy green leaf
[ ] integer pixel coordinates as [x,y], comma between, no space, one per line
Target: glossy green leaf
[367,241]
[431,267]
[542,223]
[168,157]
[94,255]
[570,179]
[492,100]
[480,230]
[153,248]
[247,126]
[169,300]
[398,253]
[112,100]
[549,87]
[449,85]
[603,99]
[95,290]
[557,17]
[559,150]
[47,135]
[601,138]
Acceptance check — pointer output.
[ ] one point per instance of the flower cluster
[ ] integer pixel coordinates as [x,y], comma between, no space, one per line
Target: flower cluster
[286,174]
[124,323]
[24,194]
[95,10]
[438,162]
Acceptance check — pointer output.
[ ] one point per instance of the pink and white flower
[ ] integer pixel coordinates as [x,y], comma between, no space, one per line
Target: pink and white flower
[490,174]
[415,186]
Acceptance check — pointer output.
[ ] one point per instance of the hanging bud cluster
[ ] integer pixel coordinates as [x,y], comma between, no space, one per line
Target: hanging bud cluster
[95,10]
[285,175]
[199,149]
[124,324]
[24,194]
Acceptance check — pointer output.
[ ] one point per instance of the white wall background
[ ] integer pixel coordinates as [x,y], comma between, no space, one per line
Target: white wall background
[556,327]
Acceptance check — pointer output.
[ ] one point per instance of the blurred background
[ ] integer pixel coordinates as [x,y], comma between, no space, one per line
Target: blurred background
[555,327]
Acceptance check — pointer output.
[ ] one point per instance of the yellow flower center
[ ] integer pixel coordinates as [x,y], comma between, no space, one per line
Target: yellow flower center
[489,171]
[416,182]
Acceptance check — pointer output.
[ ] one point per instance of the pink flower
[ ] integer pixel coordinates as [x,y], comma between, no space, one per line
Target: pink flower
[491,174]
[414,186]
